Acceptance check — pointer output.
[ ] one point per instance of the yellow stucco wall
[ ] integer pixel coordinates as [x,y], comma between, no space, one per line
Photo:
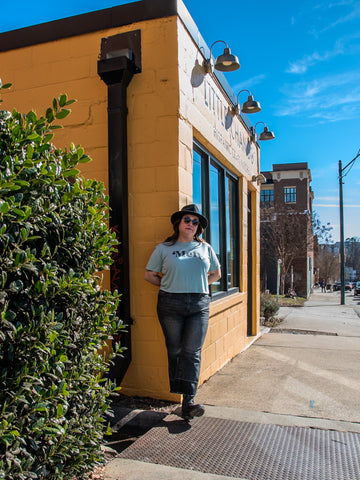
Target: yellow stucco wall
[167,109]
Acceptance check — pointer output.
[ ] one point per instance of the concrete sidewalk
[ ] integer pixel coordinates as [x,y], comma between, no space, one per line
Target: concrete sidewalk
[302,373]
[307,366]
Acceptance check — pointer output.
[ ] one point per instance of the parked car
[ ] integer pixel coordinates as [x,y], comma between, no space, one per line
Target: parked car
[337,286]
[348,286]
[357,288]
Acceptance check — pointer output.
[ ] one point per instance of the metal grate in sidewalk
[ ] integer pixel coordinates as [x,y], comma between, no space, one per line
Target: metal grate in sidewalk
[250,450]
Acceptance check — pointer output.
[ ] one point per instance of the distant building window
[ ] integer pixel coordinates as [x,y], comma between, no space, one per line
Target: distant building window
[267,197]
[290,195]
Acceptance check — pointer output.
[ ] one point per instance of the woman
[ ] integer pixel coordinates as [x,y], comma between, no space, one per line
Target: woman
[184,266]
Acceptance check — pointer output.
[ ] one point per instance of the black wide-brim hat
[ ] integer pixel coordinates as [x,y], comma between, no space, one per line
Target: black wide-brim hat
[190,210]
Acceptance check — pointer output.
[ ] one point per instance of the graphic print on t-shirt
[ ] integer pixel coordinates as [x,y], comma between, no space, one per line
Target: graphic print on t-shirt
[184,253]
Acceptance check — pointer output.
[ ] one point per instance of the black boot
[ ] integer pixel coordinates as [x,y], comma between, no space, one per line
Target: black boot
[191,409]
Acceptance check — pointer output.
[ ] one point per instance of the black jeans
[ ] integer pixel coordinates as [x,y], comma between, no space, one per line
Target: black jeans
[184,318]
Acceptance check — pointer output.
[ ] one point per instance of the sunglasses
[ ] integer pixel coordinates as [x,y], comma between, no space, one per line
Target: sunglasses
[195,221]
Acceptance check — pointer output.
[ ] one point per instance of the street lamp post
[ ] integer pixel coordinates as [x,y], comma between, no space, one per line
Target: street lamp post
[342,245]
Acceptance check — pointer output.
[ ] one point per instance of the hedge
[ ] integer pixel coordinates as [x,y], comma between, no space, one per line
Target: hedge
[55,317]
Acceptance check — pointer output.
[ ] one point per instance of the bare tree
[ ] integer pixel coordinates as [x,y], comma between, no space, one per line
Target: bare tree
[321,231]
[285,235]
[352,253]
[328,263]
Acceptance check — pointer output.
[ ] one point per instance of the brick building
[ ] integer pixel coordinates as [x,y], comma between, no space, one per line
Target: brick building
[287,193]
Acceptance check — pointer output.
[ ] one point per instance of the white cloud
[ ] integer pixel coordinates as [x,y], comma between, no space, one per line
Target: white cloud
[325,205]
[333,205]
[353,15]
[249,83]
[323,99]
[342,12]
[343,46]
[340,3]
[301,66]
[327,199]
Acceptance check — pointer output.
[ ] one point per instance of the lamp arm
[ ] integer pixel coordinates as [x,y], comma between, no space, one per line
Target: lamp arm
[217,41]
[258,124]
[237,98]
[253,129]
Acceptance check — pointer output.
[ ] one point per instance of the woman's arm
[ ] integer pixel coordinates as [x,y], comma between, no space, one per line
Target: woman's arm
[152,277]
[213,276]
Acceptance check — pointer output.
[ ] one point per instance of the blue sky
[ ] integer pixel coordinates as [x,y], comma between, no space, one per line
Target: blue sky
[301,60]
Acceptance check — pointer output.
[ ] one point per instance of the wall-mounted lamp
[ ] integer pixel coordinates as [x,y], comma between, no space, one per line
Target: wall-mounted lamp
[227,62]
[266,134]
[250,106]
[258,178]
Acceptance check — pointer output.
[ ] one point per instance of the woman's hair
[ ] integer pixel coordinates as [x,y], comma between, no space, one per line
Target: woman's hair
[174,237]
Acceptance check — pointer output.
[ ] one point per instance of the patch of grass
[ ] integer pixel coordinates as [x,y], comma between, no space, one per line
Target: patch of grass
[290,302]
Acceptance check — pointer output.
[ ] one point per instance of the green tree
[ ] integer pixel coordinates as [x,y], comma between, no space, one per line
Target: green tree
[54,316]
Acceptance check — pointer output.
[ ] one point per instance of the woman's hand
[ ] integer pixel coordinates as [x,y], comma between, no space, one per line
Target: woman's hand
[152,277]
[213,276]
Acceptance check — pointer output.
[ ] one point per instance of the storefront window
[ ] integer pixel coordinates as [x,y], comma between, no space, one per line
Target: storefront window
[215,192]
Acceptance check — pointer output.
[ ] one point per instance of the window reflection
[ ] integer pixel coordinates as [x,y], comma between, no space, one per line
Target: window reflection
[230,199]
[215,218]
[197,180]
[215,192]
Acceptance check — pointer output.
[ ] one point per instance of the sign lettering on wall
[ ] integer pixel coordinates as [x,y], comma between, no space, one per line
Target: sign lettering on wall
[228,130]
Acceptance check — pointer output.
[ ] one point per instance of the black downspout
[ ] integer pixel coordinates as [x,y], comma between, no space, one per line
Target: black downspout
[117,73]
[250,330]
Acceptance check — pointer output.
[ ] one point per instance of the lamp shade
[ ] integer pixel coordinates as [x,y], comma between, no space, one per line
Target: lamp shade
[227,62]
[251,106]
[266,134]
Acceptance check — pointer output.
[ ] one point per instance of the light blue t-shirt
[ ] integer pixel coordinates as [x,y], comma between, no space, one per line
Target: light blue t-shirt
[184,266]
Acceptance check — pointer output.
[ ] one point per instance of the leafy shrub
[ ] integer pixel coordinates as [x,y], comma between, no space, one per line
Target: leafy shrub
[268,306]
[54,318]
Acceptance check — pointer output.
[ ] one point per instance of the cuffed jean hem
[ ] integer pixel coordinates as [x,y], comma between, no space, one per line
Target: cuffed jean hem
[183,387]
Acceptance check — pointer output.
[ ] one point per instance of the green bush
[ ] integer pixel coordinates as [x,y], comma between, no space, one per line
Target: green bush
[268,306]
[54,317]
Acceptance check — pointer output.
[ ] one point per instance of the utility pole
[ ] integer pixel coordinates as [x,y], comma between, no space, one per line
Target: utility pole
[342,245]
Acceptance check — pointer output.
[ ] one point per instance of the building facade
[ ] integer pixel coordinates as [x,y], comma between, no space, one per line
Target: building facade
[286,204]
[161,135]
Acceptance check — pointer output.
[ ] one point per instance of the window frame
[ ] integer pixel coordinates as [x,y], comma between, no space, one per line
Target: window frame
[207,161]
[268,202]
[289,194]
